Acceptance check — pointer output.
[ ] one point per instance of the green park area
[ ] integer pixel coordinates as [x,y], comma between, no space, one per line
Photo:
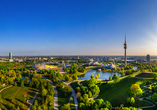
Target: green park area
[117,93]
[17,96]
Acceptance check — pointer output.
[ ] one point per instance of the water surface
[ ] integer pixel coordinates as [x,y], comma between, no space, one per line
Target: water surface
[103,75]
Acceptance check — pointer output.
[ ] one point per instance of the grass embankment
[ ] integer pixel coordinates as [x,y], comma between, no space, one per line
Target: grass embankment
[74,85]
[81,73]
[78,73]
[145,75]
[17,93]
[117,93]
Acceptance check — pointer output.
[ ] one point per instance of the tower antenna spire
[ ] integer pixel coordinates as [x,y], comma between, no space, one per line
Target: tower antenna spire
[125,37]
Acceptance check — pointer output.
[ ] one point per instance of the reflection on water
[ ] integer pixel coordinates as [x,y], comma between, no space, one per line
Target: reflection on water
[23,77]
[103,75]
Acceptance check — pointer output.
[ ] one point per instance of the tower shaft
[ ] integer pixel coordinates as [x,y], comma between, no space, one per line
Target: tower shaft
[125,58]
[125,47]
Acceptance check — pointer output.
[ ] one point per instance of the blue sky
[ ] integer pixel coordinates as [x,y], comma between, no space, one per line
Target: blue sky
[78,27]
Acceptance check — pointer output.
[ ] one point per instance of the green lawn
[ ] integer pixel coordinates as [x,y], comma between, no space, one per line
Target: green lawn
[17,93]
[84,83]
[78,73]
[62,99]
[74,85]
[118,93]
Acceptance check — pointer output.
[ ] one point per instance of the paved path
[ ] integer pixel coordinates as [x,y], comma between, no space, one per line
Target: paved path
[73,95]
[5,88]
[153,105]
[32,100]
[55,94]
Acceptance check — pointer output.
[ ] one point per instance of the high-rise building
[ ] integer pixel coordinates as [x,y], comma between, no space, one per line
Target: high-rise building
[125,47]
[10,55]
[148,57]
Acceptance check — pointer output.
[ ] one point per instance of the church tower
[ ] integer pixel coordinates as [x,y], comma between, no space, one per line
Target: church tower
[125,47]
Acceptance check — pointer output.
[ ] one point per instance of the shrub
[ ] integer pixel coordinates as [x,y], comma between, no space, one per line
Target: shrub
[132,101]
[154,97]
[128,100]
[82,106]
[154,76]
[108,105]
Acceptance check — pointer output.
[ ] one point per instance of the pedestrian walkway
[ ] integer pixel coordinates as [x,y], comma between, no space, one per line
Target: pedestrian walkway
[5,88]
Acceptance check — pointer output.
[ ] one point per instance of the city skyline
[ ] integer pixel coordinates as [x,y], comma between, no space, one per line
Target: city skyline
[78,27]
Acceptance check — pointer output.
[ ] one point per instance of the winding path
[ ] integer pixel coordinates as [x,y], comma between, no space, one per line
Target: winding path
[5,88]
[55,94]
[153,105]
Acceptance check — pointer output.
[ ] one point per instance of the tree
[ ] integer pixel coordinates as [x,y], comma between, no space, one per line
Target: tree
[78,89]
[135,89]
[89,94]
[0,86]
[30,84]
[39,108]
[132,100]
[78,95]
[66,107]
[1,101]
[85,98]
[108,105]
[22,84]
[92,76]
[154,76]
[110,78]
[99,103]
[139,92]
[45,73]
[44,92]
[82,106]
[36,103]
[75,77]
[154,97]
[116,78]
[66,69]
[128,100]
[15,84]
[18,108]
[33,107]
[26,79]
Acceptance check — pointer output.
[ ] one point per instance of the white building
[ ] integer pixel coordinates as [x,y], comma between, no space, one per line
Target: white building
[110,66]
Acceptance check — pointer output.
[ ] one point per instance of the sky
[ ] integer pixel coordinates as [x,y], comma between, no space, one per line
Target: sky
[78,27]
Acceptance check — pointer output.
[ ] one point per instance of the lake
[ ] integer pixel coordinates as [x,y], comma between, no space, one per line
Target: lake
[103,75]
